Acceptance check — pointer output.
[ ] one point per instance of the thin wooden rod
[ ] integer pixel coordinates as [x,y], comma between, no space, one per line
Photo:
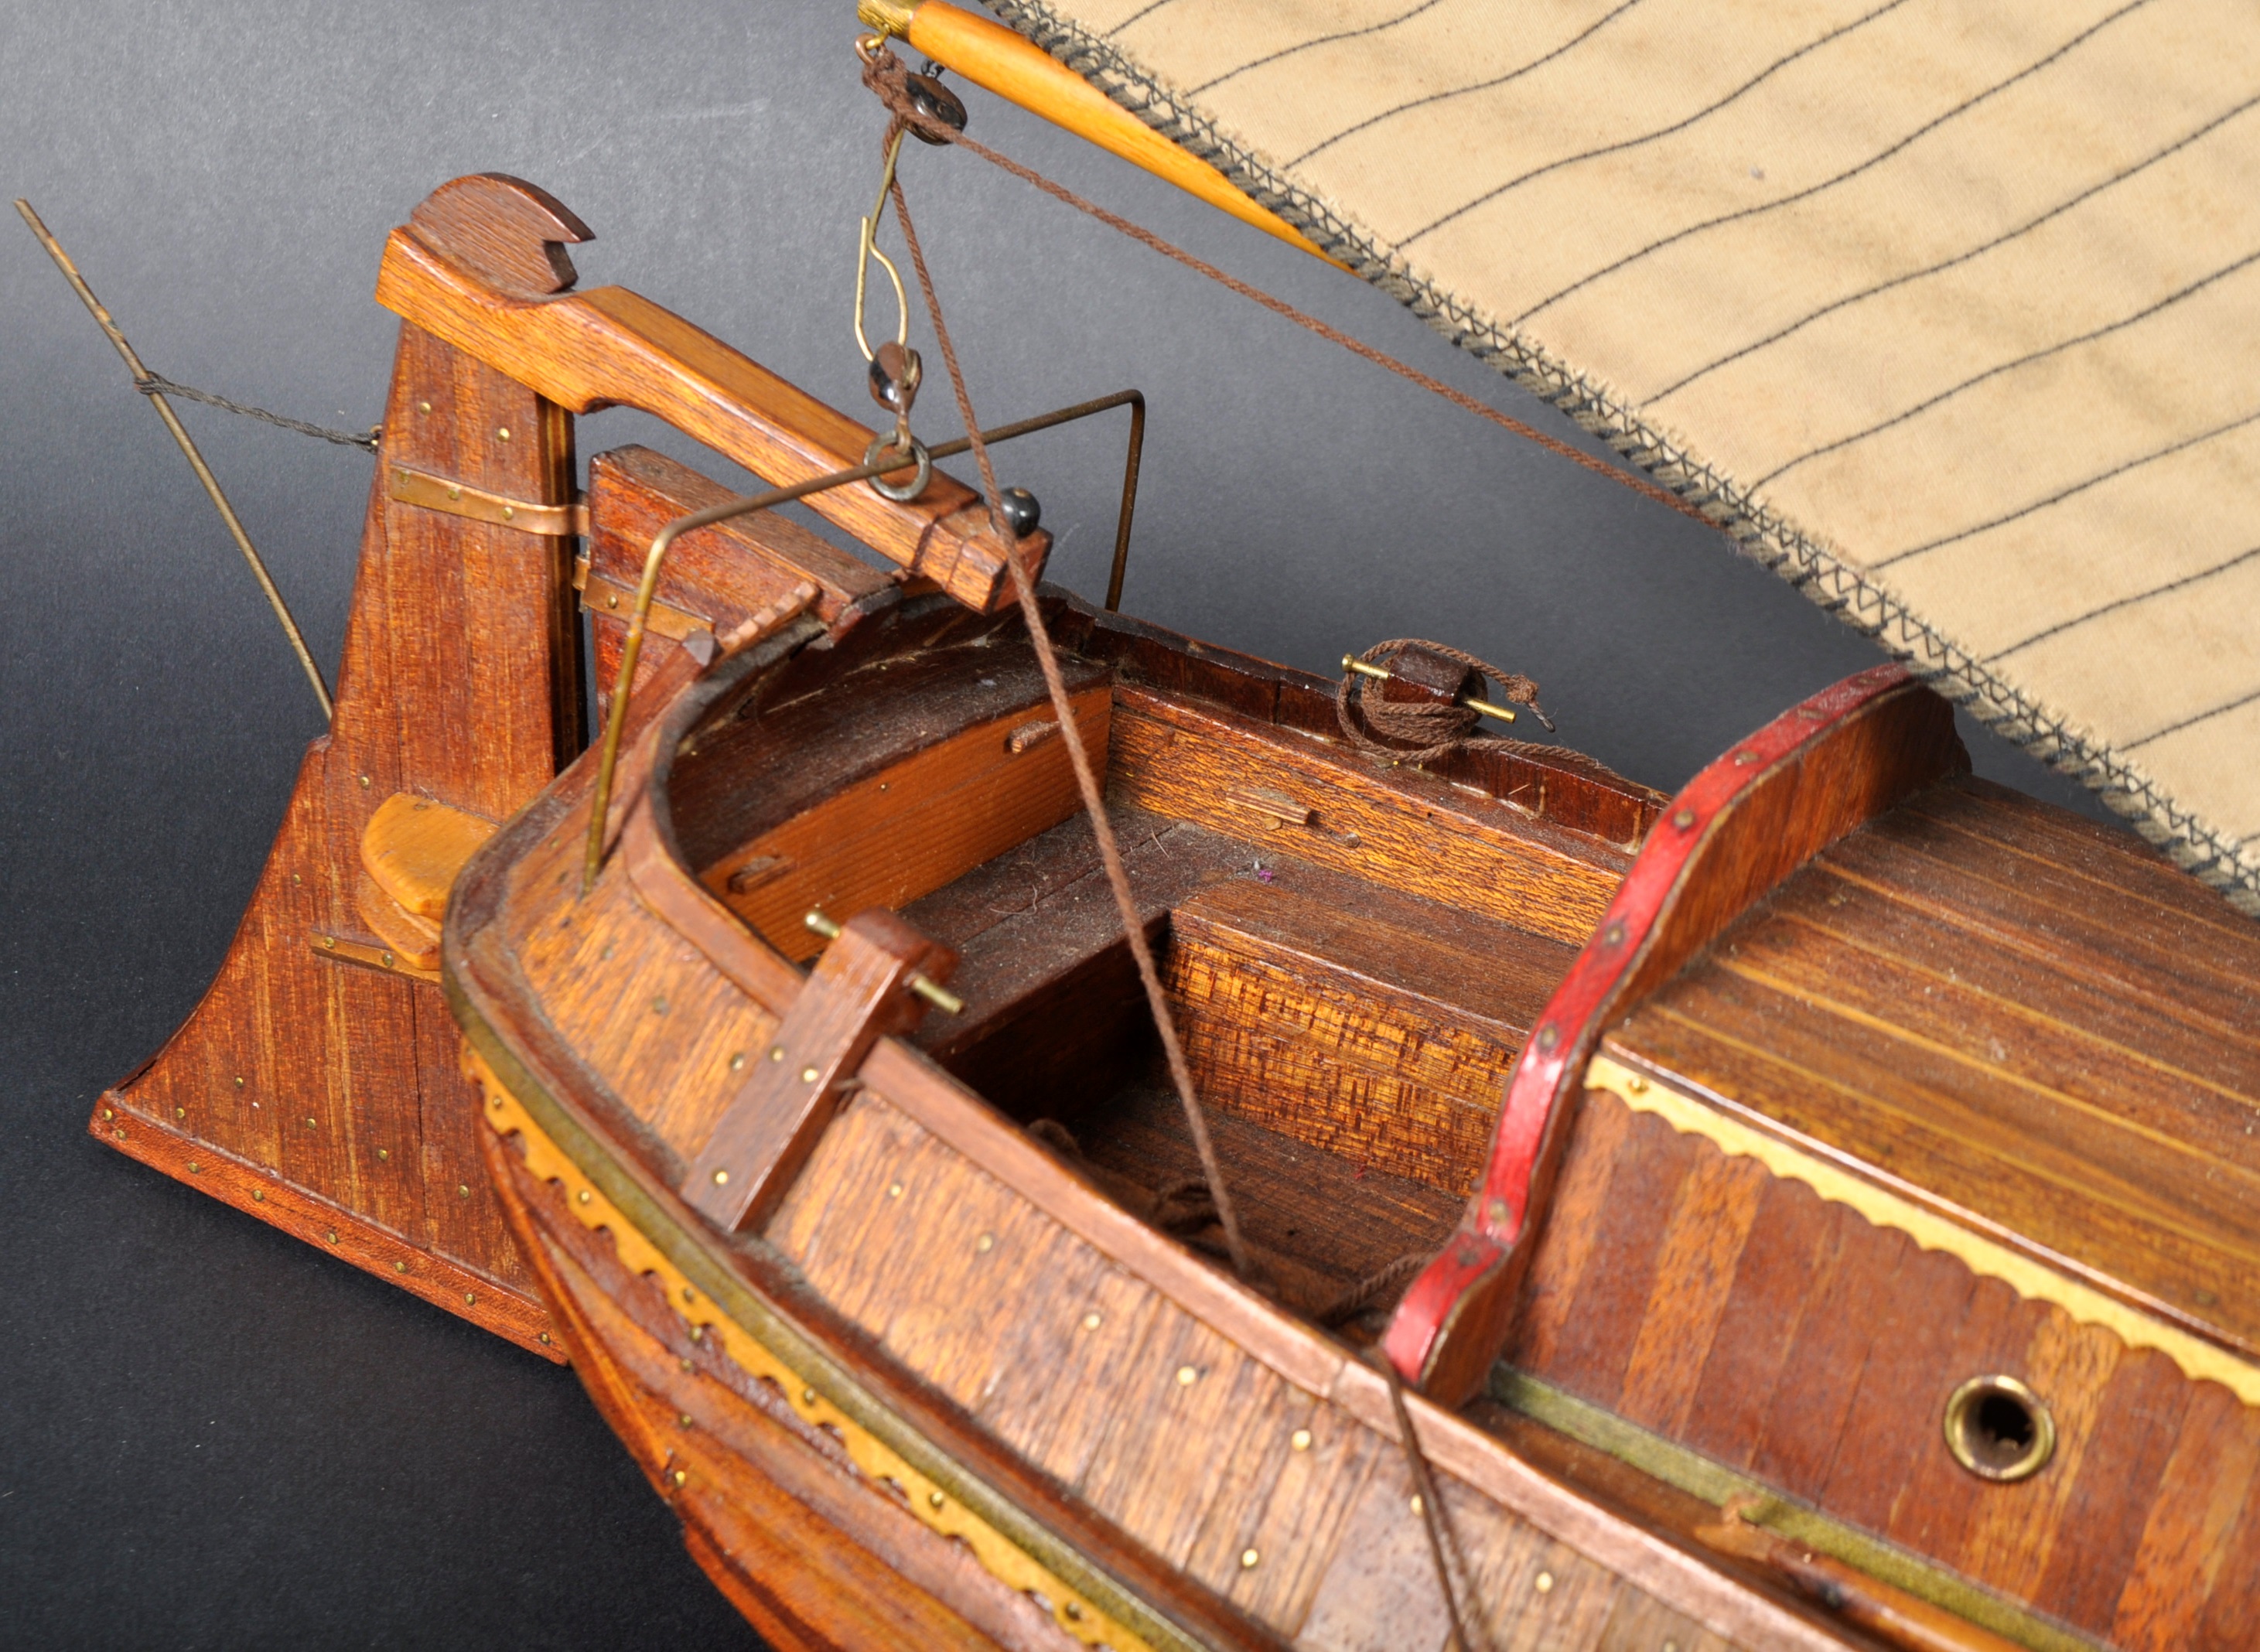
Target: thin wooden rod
[141,375]
[993,57]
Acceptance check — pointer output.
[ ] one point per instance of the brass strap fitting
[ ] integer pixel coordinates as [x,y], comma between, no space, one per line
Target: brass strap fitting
[458,498]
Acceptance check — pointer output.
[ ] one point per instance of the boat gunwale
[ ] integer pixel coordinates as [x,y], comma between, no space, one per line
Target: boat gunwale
[1677,1574]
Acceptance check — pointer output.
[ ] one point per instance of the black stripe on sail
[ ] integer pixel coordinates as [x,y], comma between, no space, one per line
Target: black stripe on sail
[2127,602]
[1747,86]
[1141,13]
[1961,258]
[1849,173]
[1323,40]
[2154,308]
[1574,42]
[2062,494]
[2238,704]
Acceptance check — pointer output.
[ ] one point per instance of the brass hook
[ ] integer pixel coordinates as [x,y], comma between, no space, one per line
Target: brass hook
[868,249]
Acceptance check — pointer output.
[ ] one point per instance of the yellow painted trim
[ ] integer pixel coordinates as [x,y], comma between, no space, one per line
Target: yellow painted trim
[2198,1359]
[930,1502]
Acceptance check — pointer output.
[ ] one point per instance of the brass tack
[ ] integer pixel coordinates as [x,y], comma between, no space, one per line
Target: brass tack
[470,1297]
[239,1082]
[934,1499]
[387,959]
[311,1125]
[721,1179]
[1543,1583]
[1300,1439]
[1417,1505]
[463,1188]
[1636,1084]
[1247,1559]
[1495,1208]
[180,1112]
[119,1132]
[809,1074]
[108,1114]
[330,941]
[294,878]
[1187,1376]
[681,1477]
[258,1196]
[195,1168]
[332,1235]
[1549,1036]
[738,1061]
[423,407]
[808,1397]
[659,1004]
[504,432]
[583,1196]
[455,493]
[682,1420]
[894,1190]
[400,1267]
[1091,1320]
[1685,818]
[385,1154]
[686,1364]
[986,1243]
[698,1333]
[776,1052]
[689,1295]
[1072,1611]
[508,513]
[364,782]
[611,600]
[542,1337]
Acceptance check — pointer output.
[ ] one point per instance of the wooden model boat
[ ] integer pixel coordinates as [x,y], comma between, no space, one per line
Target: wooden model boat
[1821,1203]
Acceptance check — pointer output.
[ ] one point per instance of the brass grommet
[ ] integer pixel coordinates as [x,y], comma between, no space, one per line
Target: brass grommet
[1998,1429]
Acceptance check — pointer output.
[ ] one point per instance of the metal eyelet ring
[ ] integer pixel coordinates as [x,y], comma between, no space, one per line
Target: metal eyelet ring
[901,493]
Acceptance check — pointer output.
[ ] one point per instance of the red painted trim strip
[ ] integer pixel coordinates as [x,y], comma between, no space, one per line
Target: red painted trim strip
[1555,1055]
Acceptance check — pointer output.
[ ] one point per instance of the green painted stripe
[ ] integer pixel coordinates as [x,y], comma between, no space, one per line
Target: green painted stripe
[1698,1475]
[761,1319]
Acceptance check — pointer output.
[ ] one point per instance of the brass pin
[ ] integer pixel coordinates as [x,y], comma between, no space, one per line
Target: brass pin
[1351,662]
[947,1002]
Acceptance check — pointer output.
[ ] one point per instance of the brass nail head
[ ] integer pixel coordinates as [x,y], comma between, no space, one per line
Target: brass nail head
[776,1052]
[400,1267]
[721,1179]
[108,1114]
[682,1420]
[808,1397]
[934,1499]
[1300,1439]
[195,1168]
[1685,818]
[689,1295]
[180,1112]
[1543,1583]
[119,1132]
[470,1298]
[385,1154]
[542,1337]
[1187,1376]
[681,1477]
[463,1190]
[311,1125]
[332,1235]
[1247,1559]
[502,433]
[454,493]
[809,1074]
[423,407]
[823,926]
[738,1062]
[364,782]
[387,959]
[1636,1085]
[1092,1321]
[1418,1506]
[258,1196]
[508,514]
[583,1196]
[894,1190]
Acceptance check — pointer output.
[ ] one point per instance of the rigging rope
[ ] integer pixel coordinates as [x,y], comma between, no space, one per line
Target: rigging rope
[1094,804]
[885,73]
[158,384]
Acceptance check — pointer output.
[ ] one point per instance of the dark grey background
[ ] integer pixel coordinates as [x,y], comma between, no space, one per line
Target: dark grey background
[208,1434]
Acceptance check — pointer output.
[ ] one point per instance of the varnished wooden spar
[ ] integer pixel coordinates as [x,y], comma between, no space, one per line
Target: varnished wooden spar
[315,1085]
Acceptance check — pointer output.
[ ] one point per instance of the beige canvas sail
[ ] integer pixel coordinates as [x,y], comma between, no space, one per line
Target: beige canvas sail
[1948,310]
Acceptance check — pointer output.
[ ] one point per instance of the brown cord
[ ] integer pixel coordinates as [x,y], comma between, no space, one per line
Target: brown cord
[885,73]
[1434,1519]
[1423,731]
[1371,1289]
[1093,802]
